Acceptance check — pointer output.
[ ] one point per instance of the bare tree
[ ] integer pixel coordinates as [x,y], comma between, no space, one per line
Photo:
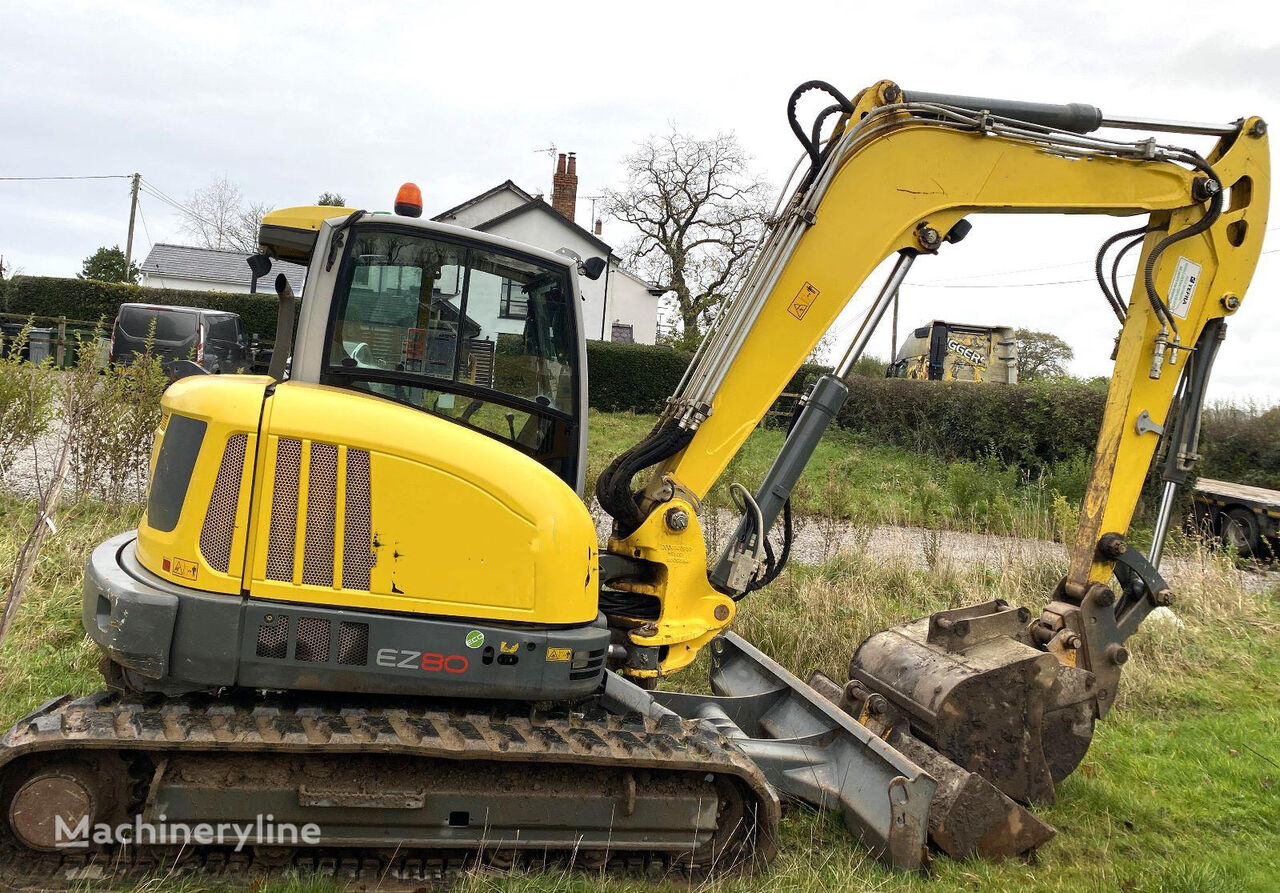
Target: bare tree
[699,211]
[219,217]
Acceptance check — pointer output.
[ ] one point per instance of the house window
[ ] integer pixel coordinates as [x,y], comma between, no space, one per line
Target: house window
[515,303]
[623,334]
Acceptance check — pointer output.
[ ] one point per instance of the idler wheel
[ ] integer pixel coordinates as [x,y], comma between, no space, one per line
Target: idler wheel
[67,793]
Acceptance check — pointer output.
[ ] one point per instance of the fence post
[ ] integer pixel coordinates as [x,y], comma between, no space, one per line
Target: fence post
[61,354]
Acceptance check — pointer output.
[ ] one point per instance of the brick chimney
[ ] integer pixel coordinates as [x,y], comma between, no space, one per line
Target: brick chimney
[599,227]
[564,185]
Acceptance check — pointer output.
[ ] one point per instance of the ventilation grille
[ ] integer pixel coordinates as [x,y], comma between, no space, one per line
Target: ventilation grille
[353,643]
[273,640]
[220,521]
[284,510]
[325,547]
[322,500]
[313,640]
[357,525]
[593,666]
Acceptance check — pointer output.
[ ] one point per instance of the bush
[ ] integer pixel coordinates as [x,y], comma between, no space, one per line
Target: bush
[111,418]
[632,377]
[1242,445]
[1030,425]
[90,300]
[27,402]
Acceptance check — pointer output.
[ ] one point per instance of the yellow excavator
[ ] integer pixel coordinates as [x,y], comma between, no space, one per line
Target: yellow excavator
[366,620]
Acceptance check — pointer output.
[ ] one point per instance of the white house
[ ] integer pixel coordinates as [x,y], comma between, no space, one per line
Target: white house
[619,306]
[212,269]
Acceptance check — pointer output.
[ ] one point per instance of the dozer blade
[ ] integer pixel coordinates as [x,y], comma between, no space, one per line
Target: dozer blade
[969,815]
[810,750]
[968,695]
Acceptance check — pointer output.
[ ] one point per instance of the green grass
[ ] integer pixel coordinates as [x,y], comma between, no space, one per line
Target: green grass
[875,484]
[1180,791]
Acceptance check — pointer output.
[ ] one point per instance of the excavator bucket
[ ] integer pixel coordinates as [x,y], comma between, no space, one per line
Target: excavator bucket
[970,683]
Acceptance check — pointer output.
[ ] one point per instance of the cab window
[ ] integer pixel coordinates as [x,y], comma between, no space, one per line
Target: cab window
[429,323]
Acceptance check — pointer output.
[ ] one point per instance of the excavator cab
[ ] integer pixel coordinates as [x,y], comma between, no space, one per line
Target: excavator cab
[398,511]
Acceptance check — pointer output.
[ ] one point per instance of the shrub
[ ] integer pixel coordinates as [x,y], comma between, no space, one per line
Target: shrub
[116,414]
[1029,425]
[635,377]
[26,401]
[1243,445]
[90,300]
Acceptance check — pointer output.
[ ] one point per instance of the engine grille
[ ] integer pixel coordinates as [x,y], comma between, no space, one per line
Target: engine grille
[284,510]
[313,640]
[322,500]
[273,640]
[326,546]
[353,643]
[357,525]
[220,520]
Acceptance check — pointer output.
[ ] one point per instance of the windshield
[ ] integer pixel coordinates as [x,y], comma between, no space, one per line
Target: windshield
[483,338]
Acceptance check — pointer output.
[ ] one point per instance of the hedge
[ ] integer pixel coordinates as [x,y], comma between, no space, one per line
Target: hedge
[89,299]
[1242,445]
[1024,424]
[634,377]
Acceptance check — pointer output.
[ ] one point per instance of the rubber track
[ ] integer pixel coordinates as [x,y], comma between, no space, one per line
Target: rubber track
[108,721]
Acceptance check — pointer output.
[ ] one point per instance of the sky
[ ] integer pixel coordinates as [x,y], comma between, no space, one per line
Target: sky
[291,99]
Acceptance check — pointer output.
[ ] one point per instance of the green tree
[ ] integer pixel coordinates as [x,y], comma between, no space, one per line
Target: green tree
[1041,355]
[332,200]
[108,265]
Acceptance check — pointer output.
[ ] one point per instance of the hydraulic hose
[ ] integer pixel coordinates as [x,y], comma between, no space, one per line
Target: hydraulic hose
[1210,217]
[810,143]
[613,487]
[1115,264]
[1117,306]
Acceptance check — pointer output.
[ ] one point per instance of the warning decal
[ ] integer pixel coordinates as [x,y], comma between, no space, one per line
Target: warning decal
[1186,275]
[803,300]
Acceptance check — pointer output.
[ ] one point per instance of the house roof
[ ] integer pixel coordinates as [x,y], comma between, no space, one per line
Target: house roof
[216,266]
[537,204]
[443,216]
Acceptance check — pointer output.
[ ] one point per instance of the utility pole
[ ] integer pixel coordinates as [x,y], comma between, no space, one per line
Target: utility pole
[133,212]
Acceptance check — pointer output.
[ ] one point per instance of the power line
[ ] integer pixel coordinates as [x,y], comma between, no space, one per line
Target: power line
[145,229]
[156,193]
[89,177]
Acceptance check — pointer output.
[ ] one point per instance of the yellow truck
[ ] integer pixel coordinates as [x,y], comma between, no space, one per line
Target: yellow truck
[949,351]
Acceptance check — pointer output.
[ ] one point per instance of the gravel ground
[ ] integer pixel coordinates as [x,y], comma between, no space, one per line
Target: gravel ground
[22,477]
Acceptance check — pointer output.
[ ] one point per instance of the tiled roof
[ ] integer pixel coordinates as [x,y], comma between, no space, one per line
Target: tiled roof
[215,266]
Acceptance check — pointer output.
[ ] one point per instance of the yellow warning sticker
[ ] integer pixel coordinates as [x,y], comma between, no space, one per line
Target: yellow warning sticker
[184,568]
[803,300]
[559,654]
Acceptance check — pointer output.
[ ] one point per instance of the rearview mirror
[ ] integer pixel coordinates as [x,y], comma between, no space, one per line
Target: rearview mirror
[592,267]
[259,265]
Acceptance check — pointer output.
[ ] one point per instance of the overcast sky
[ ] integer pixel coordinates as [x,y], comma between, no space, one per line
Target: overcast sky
[291,99]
